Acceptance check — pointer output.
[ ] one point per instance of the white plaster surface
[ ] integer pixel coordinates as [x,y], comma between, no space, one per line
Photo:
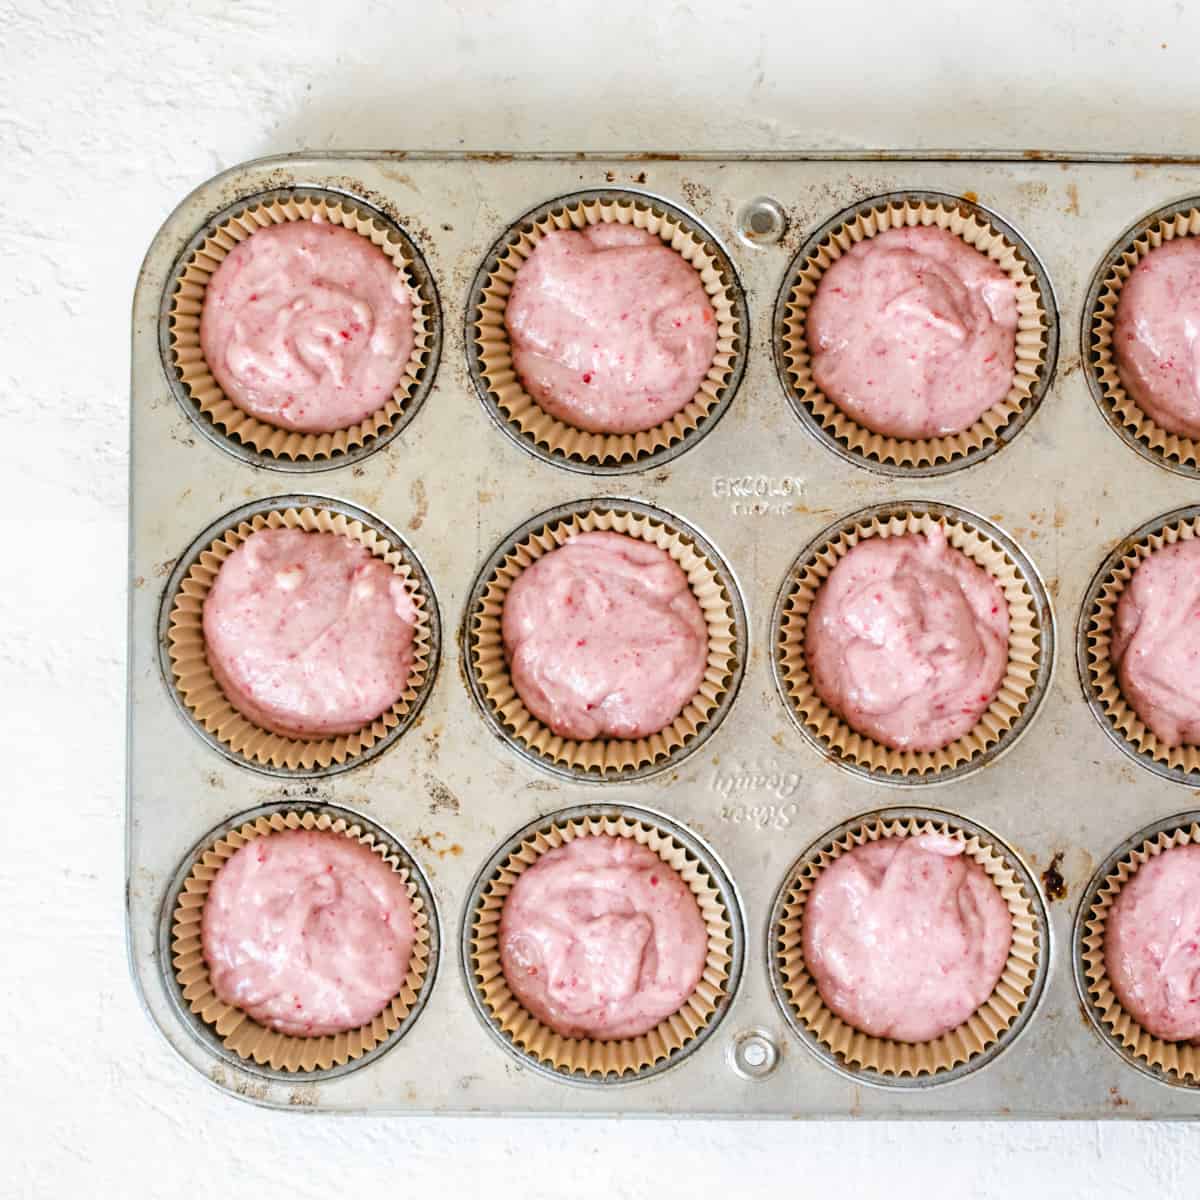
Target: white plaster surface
[109,112]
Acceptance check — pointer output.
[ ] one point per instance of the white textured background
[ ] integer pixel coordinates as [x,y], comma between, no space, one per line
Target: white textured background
[109,113]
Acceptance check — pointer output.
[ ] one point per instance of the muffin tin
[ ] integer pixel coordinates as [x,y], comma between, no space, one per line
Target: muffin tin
[451,793]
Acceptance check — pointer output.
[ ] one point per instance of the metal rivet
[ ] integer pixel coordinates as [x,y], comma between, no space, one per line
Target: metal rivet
[761,221]
[753,1054]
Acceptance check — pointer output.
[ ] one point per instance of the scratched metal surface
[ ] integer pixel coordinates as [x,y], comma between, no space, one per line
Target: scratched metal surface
[1066,489]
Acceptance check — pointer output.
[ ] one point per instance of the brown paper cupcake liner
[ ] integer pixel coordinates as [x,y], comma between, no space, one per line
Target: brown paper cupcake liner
[1179,1059]
[188,300]
[593,1058]
[1016,688]
[202,695]
[603,756]
[981,1031]
[238,1032]
[495,364]
[1121,407]
[1033,334]
[1102,674]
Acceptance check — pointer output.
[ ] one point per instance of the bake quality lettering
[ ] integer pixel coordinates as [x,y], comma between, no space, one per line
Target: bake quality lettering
[760,486]
[761,816]
[768,777]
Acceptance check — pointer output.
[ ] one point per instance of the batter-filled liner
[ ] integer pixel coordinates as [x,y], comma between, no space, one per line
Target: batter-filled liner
[239,1032]
[1121,406]
[1016,687]
[871,218]
[604,757]
[504,386]
[1179,1059]
[983,1029]
[1102,673]
[619,1058]
[202,695]
[187,302]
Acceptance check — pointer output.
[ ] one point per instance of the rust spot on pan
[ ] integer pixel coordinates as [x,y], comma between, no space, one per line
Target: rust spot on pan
[1052,878]
[420,505]
[425,840]
[696,194]
[441,798]
[1165,160]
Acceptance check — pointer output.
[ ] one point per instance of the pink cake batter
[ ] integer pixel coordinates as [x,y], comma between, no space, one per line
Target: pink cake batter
[611,329]
[1156,337]
[600,938]
[308,932]
[307,326]
[906,937]
[913,333]
[1152,945]
[308,634]
[605,638]
[1156,643]
[908,640]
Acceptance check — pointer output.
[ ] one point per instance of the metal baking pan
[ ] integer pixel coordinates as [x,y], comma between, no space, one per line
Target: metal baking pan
[758,486]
